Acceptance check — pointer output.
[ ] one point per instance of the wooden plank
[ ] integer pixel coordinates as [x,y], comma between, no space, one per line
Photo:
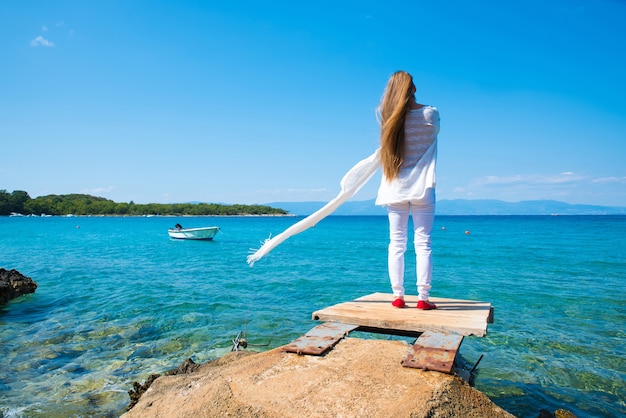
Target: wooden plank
[463,317]
[320,339]
[434,351]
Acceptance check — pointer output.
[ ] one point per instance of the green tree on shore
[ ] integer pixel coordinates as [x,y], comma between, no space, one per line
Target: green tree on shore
[83,204]
[12,202]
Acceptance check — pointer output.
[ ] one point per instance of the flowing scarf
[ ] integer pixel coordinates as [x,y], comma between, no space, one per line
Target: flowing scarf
[351,183]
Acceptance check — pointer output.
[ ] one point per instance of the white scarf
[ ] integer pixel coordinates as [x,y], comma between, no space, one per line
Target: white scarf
[351,183]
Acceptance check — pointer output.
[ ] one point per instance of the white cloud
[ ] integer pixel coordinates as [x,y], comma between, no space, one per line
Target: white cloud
[288,191]
[487,180]
[609,180]
[41,41]
[566,186]
[320,190]
[529,179]
[98,190]
[56,28]
[567,177]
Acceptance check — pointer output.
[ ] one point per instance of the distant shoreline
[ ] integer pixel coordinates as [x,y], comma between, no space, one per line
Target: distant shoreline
[292,215]
[464,207]
[244,215]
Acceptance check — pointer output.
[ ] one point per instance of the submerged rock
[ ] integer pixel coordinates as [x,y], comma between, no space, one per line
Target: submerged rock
[564,413]
[14,284]
[559,413]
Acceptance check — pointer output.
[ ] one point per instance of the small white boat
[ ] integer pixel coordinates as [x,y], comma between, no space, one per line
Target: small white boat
[203,233]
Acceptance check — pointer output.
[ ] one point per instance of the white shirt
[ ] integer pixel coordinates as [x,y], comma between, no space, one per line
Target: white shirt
[417,173]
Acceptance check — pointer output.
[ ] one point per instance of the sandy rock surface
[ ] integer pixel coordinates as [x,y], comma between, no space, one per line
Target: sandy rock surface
[358,378]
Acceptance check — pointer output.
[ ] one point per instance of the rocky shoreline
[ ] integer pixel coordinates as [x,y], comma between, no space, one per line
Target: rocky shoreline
[359,377]
[14,284]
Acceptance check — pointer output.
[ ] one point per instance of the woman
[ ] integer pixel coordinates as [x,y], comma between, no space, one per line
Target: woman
[408,155]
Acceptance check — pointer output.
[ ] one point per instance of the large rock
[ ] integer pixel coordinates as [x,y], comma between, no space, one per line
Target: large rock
[14,284]
[358,378]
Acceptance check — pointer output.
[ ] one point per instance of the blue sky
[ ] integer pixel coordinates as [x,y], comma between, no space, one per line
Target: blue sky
[265,101]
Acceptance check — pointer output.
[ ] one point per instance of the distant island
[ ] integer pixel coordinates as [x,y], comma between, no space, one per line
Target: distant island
[462,207]
[19,202]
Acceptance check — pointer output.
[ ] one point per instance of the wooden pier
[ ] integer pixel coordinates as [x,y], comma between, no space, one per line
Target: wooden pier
[463,317]
[439,331]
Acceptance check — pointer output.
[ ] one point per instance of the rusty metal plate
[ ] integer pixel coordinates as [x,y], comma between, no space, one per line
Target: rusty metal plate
[434,351]
[319,339]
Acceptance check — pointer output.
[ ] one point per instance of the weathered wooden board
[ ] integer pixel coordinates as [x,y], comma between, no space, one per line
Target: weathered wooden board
[452,316]
[319,339]
[434,351]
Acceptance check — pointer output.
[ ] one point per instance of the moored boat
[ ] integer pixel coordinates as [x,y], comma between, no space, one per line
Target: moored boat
[202,233]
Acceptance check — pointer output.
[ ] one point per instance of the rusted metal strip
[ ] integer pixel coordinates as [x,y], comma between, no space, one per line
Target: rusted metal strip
[434,351]
[320,339]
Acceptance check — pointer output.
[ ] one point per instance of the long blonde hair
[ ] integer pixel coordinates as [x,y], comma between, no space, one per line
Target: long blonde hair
[391,113]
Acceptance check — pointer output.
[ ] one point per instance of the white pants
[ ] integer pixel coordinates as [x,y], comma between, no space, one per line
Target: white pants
[423,213]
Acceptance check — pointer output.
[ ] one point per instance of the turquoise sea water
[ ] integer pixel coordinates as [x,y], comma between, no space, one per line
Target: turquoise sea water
[118,300]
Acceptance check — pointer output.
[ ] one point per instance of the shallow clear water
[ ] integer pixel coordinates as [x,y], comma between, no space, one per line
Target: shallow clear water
[118,300]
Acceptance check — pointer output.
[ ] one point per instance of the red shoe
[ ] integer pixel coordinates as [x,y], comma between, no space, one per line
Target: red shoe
[398,303]
[426,305]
